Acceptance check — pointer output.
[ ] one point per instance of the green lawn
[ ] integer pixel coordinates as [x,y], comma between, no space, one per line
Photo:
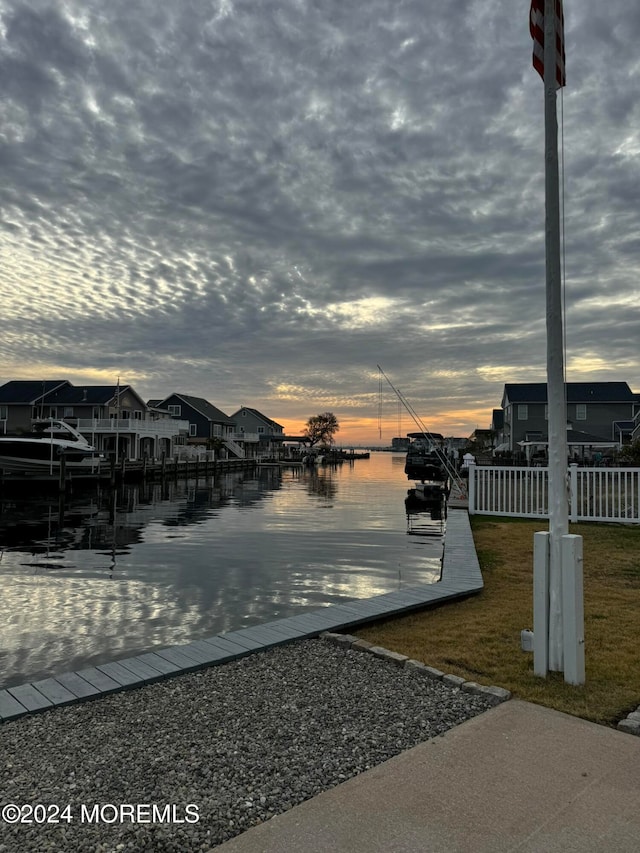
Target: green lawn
[479,637]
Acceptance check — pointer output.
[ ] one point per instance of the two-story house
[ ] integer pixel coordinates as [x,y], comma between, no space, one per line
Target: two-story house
[21,402]
[260,435]
[635,428]
[113,418]
[595,411]
[206,423]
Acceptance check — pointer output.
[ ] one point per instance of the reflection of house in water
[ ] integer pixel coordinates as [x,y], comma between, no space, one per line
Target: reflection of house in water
[96,518]
[87,603]
[254,488]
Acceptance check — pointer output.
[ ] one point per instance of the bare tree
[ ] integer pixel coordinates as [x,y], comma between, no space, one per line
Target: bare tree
[320,429]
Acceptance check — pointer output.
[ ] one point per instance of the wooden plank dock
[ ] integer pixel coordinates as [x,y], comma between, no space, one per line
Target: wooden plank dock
[460,578]
[133,470]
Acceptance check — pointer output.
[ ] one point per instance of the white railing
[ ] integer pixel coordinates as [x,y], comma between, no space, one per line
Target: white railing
[252,437]
[161,428]
[593,494]
[193,453]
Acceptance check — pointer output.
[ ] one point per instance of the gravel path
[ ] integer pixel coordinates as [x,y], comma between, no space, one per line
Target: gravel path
[223,749]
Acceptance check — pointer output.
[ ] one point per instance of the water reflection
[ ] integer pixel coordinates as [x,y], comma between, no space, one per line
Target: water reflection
[425,517]
[103,573]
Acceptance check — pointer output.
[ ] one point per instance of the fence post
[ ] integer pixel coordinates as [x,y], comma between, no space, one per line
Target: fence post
[541,603]
[472,488]
[573,492]
[572,609]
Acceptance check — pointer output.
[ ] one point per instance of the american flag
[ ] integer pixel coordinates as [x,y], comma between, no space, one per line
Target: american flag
[536,27]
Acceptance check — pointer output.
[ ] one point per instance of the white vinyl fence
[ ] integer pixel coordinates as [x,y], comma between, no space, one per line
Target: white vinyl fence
[593,494]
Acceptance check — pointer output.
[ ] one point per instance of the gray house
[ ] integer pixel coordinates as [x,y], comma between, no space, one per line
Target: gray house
[205,422]
[260,435]
[595,413]
[113,418]
[22,401]
[635,430]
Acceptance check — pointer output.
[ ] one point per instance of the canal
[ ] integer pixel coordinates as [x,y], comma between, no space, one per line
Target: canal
[102,574]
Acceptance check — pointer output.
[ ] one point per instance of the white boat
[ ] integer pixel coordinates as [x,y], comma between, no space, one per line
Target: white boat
[45,447]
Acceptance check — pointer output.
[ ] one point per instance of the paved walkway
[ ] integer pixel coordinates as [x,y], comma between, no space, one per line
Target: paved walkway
[517,778]
[460,577]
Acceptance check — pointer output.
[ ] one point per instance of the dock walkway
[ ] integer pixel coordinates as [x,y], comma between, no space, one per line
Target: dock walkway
[460,577]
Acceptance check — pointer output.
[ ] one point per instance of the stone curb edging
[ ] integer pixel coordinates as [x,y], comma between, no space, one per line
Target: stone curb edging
[348,641]
[631,723]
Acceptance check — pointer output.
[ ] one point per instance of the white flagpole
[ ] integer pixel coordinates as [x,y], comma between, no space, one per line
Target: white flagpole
[557,409]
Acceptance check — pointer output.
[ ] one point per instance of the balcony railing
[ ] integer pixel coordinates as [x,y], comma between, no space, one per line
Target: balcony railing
[252,437]
[161,428]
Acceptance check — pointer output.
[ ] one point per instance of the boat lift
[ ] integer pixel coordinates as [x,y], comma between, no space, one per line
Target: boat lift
[457,487]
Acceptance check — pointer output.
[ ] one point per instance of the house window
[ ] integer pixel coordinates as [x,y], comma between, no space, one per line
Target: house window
[137,415]
[581,411]
[95,413]
[4,413]
[68,412]
[523,412]
[176,411]
[193,429]
[260,429]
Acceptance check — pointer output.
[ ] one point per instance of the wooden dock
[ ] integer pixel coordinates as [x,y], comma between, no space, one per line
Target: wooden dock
[134,470]
[460,578]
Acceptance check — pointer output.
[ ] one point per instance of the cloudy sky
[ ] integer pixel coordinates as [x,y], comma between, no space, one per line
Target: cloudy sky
[260,202]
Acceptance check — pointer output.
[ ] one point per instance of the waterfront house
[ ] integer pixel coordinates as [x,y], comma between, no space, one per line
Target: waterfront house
[114,418]
[258,434]
[595,413]
[482,443]
[635,430]
[206,423]
[21,402]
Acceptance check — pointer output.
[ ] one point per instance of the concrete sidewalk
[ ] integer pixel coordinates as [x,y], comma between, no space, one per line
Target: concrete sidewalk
[518,777]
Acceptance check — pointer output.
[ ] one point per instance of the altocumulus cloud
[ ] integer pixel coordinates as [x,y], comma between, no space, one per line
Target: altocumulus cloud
[259,202]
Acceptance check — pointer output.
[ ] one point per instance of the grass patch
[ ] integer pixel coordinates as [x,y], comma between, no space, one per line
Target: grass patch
[479,637]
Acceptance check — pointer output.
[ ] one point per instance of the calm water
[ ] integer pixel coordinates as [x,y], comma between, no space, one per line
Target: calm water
[102,574]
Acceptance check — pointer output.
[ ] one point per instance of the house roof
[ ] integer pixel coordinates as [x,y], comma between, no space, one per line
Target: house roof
[261,416]
[97,395]
[624,426]
[200,405]
[27,392]
[577,392]
[60,393]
